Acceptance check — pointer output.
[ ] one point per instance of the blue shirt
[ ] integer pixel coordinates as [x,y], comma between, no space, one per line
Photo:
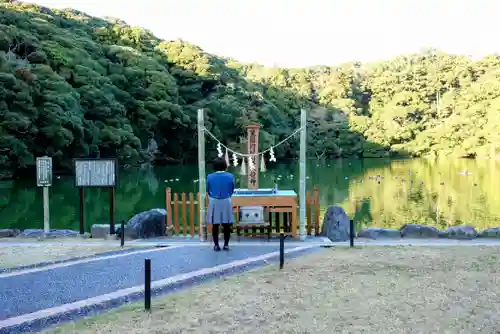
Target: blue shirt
[220,185]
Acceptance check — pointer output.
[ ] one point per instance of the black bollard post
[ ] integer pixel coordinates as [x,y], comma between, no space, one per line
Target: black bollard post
[282,249]
[147,284]
[122,236]
[351,233]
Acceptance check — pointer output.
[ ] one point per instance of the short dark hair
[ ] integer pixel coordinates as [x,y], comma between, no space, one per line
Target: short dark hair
[220,165]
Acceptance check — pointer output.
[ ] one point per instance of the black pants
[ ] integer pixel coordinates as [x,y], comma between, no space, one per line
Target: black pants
[226,229]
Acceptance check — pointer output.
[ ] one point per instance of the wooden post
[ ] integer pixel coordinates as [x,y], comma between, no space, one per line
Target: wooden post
[208,228]
[316,210]
[44,180]
[191,214]
[201,174]
[176,213]
[302,190]
[168,207]
[46,212]
[82,210]
[308,213]
[200,232]
[253,148]
[184,214]
[112,210]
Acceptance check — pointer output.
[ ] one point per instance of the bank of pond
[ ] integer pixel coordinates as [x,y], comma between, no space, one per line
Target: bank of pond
[377,193]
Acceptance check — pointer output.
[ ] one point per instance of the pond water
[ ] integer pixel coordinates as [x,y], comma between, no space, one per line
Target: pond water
[377,192]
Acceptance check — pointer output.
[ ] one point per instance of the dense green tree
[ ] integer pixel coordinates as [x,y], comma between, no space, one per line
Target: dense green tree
[72,85]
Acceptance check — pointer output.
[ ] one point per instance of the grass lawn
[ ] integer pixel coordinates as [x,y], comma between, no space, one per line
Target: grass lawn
[363,290]
[13,255]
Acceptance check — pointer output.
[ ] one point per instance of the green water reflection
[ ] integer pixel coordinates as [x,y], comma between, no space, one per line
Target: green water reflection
[377,192]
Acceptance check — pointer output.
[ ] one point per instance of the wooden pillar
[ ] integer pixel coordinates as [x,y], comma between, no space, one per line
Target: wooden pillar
[302,183]
[253,148]
[201,174]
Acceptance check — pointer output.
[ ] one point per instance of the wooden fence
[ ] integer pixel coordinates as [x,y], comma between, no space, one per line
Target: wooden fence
[183,215]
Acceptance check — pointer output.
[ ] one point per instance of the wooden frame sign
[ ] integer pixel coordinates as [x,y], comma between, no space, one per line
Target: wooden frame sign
[44,180]
[43,171]
[96,173]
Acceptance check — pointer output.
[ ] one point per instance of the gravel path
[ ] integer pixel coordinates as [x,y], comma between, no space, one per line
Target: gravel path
[43,289]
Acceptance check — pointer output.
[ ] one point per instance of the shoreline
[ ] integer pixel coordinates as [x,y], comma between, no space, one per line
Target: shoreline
[406,231]
[8,175]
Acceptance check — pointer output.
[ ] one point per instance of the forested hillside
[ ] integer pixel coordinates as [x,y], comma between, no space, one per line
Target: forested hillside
[72,85]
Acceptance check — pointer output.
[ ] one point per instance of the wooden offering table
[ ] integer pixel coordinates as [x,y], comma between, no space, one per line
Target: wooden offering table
[280,201]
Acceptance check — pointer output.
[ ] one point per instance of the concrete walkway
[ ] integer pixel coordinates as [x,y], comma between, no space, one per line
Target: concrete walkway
[22,293]
[30,295]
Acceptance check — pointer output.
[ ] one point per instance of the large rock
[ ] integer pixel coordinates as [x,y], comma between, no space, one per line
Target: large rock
[379,233]
[335,224]
[9,232]
[419,231]
[38,233]
[147,224]
[461,232]
[492,232]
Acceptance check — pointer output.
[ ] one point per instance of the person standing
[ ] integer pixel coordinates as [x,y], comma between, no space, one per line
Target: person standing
[220,188]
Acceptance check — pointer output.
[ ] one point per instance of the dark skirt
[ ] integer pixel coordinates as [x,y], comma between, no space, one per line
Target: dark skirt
[220,211]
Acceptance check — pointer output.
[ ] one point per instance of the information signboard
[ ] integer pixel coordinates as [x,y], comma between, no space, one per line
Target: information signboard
[44,171]
[95,173]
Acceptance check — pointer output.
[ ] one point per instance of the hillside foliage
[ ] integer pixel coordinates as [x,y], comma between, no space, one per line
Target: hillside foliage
[72,85]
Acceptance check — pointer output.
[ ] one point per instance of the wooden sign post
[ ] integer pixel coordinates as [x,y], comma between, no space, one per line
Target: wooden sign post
[302,174]
[96,173]
[201,176]
[253,148]
[44,180]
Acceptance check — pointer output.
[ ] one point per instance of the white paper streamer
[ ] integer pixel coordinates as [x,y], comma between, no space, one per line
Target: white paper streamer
[272,158]
[262,164]
[219,150]
[226,157]
[235,160]
[243,170]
